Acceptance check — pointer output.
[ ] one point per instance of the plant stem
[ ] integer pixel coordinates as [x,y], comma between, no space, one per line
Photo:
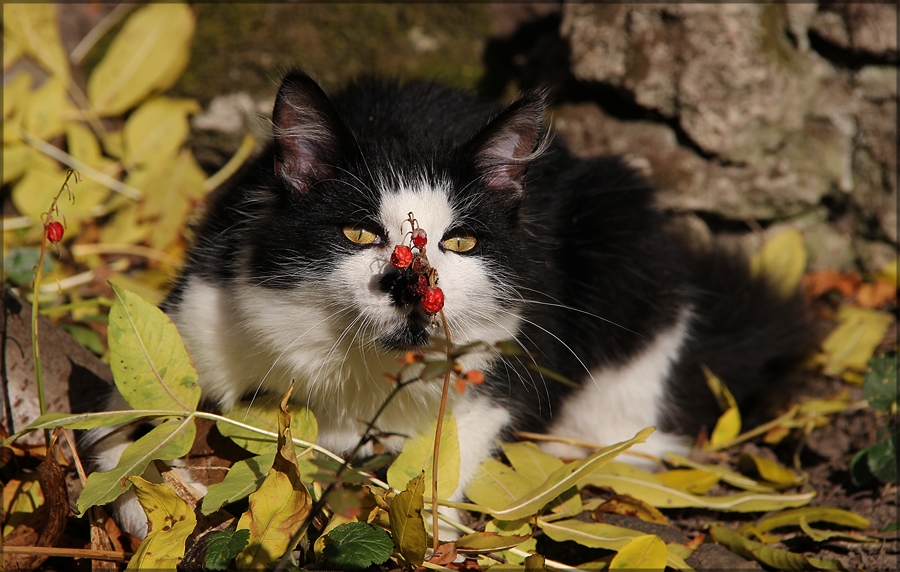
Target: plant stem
[437,443]
[35,346]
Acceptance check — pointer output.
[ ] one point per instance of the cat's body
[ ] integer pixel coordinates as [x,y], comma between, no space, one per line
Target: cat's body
[570,260]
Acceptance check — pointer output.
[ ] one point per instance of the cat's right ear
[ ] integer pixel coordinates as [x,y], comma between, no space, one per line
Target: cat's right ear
[308,132]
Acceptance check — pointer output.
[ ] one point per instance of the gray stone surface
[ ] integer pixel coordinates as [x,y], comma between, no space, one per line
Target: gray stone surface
[743,118]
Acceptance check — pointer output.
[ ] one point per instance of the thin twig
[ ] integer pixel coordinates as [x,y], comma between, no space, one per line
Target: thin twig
[437,442]
[113,555]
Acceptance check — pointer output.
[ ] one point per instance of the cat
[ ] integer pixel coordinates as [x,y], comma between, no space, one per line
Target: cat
[289,279]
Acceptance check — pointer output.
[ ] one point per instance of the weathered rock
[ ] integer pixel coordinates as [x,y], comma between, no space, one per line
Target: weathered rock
[742,118]
[869,28]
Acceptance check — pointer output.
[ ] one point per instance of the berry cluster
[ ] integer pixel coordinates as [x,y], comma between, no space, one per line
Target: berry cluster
[419,276]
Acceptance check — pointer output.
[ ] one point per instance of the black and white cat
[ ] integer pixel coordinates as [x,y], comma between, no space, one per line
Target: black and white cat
[289,280]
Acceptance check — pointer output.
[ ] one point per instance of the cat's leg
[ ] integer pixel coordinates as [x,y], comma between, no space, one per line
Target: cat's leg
[615,402]
[479,424]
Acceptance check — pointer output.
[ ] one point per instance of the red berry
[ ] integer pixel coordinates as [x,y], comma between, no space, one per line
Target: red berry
[54,231]
[419,238]
[418,266]
[433,300]
[401,257]
[421,285]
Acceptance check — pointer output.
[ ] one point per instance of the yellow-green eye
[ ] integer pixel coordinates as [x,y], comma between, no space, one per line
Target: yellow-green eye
[460,243]
[360,235]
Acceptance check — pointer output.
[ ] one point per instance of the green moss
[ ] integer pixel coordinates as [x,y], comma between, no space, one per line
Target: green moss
[248,46]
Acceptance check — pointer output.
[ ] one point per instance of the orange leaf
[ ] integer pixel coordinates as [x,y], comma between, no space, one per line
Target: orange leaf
[817,283]
[876,294]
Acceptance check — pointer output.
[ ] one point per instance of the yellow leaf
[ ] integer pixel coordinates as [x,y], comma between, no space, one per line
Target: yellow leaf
[407,524]
[33,27]
[11,52]
[46,109]
[34,192]
[16,91]
[418,453]
[731,477]
[83,145]
[889,273]
[150,365]
[278,508]
[170,522]
[647,552]
[598,535]
[488,542]
[644,486]
[782,261]
[125,227]
[496,485]
[852,343]
[146,56]
[20,499]
[513,528]
[770,470]
[536,466]
[727,428]
[812,514]
[689,480]
[565,478]
[264,415]
[138,286]
[772,557]
[16,158]
[157,129]
[719,389]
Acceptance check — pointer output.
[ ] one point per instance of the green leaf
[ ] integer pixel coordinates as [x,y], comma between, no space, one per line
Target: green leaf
[85,336]
[264,415]
[647,552]
[552,375]
[358,545]
[170,522]
[146,56]
[417,456]
[564,479]
[407,524]
[496,485]
[880,383]
[882,458]
[169,440]
[20,262]
[242,479]
[223,546]
[150,364]
[434,369]
[87,420]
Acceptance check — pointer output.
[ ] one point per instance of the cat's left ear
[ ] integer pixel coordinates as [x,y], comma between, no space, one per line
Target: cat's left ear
[502,151]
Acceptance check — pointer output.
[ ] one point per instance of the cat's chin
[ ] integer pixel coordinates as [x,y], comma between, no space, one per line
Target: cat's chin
[411,335]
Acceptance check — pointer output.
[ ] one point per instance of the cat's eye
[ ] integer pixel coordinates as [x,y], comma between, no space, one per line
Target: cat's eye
[462,243]
[359,235]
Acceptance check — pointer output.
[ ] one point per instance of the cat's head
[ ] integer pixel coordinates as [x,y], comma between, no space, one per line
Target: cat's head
[345,184]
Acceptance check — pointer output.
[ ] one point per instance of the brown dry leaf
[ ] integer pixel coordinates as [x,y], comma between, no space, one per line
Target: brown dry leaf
[630,506]
[445,554]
